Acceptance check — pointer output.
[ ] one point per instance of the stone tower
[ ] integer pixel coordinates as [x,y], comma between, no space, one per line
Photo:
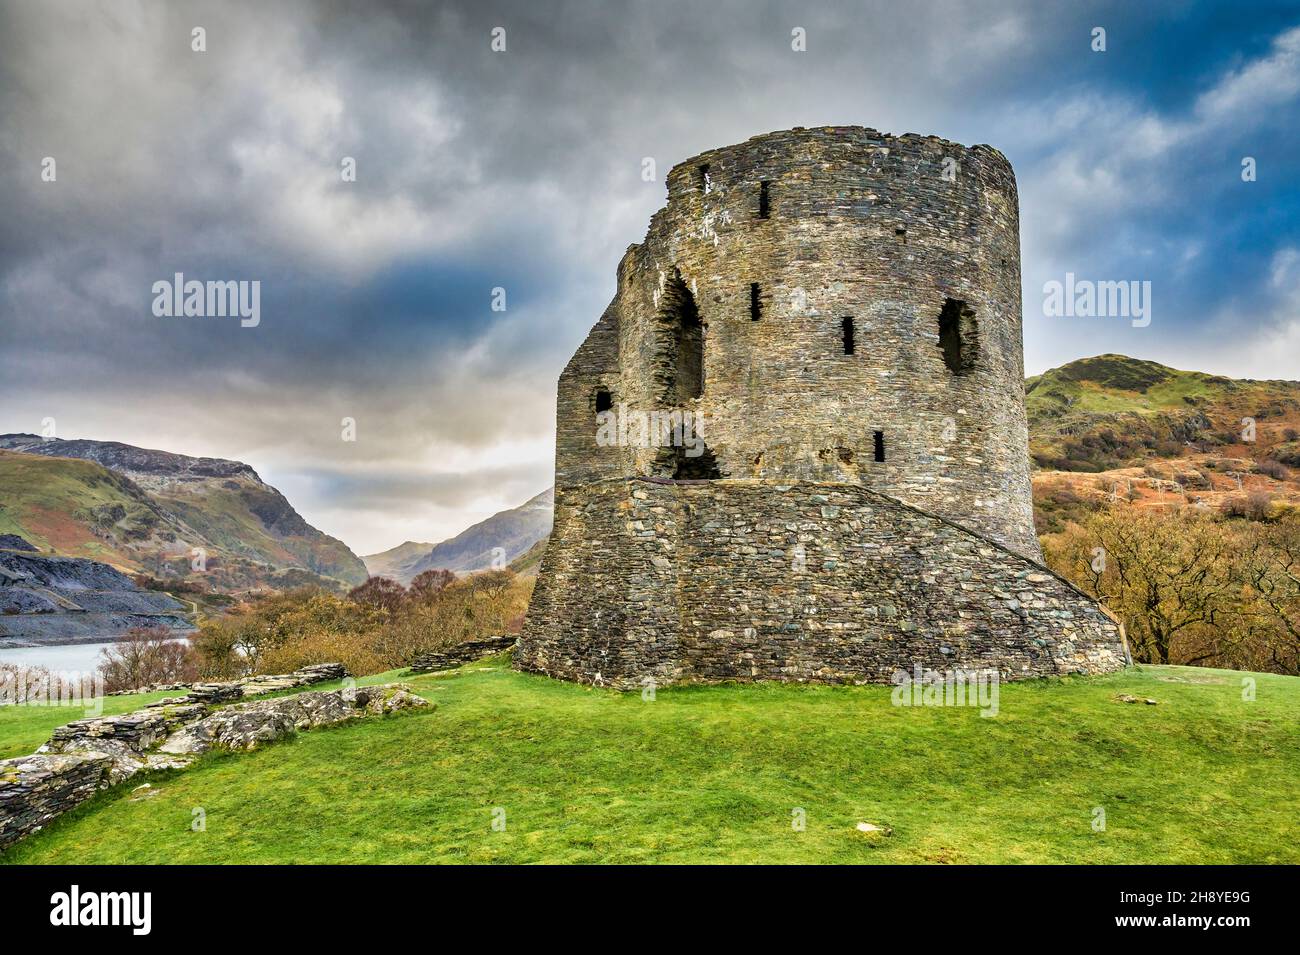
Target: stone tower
[795,446]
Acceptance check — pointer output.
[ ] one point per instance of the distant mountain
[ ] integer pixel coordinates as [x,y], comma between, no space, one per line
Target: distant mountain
[395,561]
[514,531]
[147,511]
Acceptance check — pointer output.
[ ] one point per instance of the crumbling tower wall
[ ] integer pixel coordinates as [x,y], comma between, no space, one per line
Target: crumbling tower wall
[842,308]
[775,244]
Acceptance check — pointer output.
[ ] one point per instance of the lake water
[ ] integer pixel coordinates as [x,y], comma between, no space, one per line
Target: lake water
[78,658]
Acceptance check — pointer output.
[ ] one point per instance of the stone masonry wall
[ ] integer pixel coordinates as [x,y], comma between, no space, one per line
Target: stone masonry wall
[884,231]
[467,651]
[36,789]
[750,580]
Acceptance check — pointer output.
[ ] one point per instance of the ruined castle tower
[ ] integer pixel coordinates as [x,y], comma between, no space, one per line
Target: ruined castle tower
[795,446]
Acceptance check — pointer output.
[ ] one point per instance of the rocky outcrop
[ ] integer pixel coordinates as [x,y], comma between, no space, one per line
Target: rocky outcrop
[125,739]
[14,542]
[139,464]
[448,658]
[87,755]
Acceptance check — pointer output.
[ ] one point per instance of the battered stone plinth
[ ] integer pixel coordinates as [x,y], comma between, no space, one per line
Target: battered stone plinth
[756,580]
[841,309]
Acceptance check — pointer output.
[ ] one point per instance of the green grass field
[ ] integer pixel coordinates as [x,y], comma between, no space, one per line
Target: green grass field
[715,774]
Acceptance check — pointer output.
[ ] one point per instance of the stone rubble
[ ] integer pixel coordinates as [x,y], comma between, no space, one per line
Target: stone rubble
[247,686]
[245,726]
[35,789]
[125,739]
[87,755]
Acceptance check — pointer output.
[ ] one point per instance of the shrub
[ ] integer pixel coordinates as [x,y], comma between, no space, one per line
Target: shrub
[429,583]
[1255,506]
[1274,469]
[238,644]
[375,633]
[1288,453]
[147,655]
[1192,589]
[353,649]
[381,593]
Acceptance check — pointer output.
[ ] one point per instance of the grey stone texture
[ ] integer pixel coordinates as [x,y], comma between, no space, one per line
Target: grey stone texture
[248,725]
[245,686]
[664,581]
[448,658]
[843,308]
[35,789]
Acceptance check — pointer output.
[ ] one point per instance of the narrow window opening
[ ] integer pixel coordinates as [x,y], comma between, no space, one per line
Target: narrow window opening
[880,445]
[755,302]
[958,336]
[604,400]
[846,325]
[679,359]
[705,181]
[764,199]
[901,232]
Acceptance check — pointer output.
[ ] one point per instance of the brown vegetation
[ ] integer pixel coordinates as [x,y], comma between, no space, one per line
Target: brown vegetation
[1193,587]
[145,656]
[378,626]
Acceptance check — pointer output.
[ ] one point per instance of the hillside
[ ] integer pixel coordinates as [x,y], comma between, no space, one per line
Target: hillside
[1116,428]
[146,510]
[529,563]
[514,531]
[719,774]
[394,561]
[1098,413]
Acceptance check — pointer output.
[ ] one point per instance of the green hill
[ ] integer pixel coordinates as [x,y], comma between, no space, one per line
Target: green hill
[1111,411]
[78,508]
[720,773]
[529,562]
[146,511]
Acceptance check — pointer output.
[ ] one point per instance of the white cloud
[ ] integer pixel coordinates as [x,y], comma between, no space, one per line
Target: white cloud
[1260,85]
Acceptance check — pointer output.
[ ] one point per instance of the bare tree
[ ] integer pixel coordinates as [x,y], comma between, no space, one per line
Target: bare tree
[146,655]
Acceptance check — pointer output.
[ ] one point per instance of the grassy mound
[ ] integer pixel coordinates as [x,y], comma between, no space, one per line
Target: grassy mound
[717,773]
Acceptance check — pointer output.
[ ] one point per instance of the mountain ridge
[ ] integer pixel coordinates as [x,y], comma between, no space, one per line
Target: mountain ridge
[515,531]
[149,510]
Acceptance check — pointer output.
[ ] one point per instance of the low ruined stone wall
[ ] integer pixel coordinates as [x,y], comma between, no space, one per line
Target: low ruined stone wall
[35,789]
[249,685]
[87,755]
[431,661]
[755,580]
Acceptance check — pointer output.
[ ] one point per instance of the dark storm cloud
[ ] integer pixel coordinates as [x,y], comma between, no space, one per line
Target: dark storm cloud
[522,170]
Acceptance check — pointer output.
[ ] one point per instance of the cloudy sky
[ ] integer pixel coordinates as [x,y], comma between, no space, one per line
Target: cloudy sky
[522,170]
